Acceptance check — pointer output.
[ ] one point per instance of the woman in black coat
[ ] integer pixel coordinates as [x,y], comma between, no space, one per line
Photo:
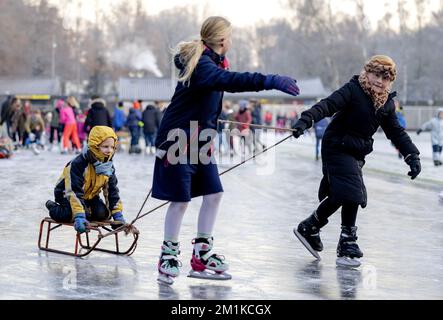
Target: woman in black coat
[358,109]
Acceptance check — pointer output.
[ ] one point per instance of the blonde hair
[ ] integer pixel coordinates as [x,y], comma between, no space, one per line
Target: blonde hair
[72,101]
[382,64]
[214,29]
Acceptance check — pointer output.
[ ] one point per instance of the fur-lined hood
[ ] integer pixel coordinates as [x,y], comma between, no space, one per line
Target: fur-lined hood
[98,103]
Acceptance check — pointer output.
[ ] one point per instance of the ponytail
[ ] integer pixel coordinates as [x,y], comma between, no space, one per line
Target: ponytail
[190,53]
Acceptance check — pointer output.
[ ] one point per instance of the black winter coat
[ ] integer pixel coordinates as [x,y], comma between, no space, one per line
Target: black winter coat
[348,139]
[151,119]
[98,115]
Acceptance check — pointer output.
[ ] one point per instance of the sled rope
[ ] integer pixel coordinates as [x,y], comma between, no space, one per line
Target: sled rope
[128,227]
[257,125]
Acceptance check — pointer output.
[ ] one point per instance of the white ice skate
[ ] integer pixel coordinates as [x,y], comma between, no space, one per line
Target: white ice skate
[205,264]
[34,149]
[168,265]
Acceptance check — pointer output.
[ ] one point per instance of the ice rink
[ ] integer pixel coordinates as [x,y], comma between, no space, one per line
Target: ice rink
[400,232]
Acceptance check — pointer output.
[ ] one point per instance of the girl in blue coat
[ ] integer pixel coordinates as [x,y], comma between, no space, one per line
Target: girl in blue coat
[192,114]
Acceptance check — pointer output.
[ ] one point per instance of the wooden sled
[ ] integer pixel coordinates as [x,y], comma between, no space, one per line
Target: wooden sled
[94,226]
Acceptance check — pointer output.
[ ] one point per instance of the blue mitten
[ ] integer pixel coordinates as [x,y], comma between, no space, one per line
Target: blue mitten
[80,222]
[118,216]
[282,83]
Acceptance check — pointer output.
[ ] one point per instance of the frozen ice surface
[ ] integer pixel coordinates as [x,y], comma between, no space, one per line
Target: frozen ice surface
[400,233]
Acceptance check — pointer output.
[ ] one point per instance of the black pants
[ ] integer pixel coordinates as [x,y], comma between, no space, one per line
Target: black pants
[63,213]
[348,211]
[59,131]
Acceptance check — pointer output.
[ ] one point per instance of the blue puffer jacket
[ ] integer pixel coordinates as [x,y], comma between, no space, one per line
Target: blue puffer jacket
[133,118]
[202,100]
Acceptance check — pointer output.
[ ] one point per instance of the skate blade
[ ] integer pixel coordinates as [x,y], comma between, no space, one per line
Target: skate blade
[306,244]
[165,279]
[348,262]
[209,275]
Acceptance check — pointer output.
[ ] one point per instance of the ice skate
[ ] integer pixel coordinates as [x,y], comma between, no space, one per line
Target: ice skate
[34,149]
[308,232]
[168,265]
[348,252]
[205,264]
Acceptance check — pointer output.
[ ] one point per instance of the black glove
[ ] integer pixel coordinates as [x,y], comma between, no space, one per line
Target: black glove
[413,161]
[419,131]
[300,126]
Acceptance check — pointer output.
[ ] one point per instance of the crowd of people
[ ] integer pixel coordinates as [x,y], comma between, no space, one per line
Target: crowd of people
[65,128]
[67,125]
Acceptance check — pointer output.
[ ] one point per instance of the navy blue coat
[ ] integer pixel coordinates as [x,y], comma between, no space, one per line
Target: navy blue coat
[202,100]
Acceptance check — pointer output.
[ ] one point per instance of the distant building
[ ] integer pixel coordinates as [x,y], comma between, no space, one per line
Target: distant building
[162,89]
[40,91]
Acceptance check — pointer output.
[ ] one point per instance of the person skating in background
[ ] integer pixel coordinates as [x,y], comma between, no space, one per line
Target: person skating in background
[401,120]
[268,118]
[97,115]
[133,123]
[198,96]
[82,136]
[77,191]
[35,126]
[220,127]
[257,118]
[56,128]
[435,125]
[359,108]
[119,117]
[70,131]
[244,116]
[151,122]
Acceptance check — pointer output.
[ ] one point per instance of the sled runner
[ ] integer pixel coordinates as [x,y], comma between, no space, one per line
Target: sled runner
[89,246]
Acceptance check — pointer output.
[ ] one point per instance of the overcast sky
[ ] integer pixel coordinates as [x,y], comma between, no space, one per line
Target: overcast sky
[245,12]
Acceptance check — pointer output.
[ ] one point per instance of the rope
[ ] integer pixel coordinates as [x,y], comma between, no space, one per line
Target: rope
[220,174]
[257,125]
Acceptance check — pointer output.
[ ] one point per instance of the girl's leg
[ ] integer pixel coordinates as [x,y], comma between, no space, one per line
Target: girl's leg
[347,244]
[349,214]
[208,214]
[326,208]
[168,264]
[309,228]
[173,220]
[202,256]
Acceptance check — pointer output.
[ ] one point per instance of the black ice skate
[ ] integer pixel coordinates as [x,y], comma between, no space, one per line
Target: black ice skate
[308,232]
[348,252]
